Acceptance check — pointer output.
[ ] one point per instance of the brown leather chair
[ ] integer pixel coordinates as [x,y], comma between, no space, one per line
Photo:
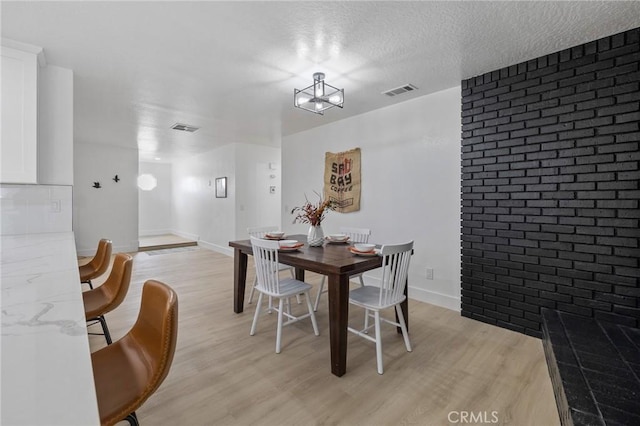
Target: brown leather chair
[129,371]
[105,298]
[98,265]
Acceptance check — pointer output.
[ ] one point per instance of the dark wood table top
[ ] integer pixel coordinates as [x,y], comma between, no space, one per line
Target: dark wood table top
[328,259]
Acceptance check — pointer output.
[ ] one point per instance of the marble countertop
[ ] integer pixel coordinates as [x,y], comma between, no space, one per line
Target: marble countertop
[46,373]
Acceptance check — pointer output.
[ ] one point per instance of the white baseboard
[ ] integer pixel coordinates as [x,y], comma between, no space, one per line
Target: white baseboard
[438,299]
[422,295]
[215,247]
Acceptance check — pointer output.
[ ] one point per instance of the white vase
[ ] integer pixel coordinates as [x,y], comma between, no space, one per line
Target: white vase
[315,237]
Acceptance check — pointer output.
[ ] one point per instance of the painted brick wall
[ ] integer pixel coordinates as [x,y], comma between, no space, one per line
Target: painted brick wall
[550,196]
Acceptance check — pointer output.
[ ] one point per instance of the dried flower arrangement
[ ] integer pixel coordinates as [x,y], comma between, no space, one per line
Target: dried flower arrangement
[310,213]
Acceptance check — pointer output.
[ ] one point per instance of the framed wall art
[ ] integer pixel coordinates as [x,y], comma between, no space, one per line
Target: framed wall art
[221,187]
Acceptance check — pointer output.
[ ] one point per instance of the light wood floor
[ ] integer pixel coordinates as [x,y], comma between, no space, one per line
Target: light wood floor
[223,376]
[155,242]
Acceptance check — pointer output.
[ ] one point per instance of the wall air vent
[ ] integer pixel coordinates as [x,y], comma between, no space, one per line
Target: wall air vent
[184,127]
[400,90]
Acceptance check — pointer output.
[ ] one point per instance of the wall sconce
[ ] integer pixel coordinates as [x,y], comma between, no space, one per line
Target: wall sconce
[147,182]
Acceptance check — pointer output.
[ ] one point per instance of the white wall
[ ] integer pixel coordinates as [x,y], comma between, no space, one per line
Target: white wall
[112,211]
[255,205]
[410,184]
[55,126]
[154,207]
[197,213]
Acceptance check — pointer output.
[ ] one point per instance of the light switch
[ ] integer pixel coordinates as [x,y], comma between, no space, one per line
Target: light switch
[55,206]
[429,273]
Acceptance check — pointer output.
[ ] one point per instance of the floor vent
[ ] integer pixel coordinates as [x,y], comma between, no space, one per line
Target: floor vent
[184,127]
[400,90]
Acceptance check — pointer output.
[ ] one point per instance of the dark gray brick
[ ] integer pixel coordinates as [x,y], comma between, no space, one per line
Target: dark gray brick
[551,187]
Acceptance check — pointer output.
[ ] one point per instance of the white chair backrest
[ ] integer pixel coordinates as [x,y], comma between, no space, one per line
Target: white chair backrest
[259,231]
[395,267]
[265,253]
[357,235]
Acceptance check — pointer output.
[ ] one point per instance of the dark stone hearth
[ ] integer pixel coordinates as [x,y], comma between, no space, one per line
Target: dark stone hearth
[594,369]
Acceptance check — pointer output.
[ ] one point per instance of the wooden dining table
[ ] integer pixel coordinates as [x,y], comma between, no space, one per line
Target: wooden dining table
[333,260]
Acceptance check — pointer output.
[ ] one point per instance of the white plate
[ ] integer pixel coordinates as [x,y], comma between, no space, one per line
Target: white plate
[375,252]
[270,237]
[288,243]
[332,241]
[363,247]
[275,234]
[291,248]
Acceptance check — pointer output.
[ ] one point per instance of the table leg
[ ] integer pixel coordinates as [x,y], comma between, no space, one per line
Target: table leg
[239,279]
[338,320]
[405,309]
[299,274]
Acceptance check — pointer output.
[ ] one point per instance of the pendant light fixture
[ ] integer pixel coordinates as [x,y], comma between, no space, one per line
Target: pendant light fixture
[318,97]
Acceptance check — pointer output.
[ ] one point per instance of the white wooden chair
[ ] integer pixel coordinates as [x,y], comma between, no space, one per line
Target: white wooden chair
[265,253]
[259,232]
[390,293]
[356,235]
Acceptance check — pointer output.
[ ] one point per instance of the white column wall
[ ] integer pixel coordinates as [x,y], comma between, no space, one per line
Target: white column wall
[154,207]
[255,204]
[111,211]
[55,126]
[410,184]
[197,213]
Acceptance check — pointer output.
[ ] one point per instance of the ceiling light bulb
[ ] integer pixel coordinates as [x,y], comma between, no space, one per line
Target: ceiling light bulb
[319,87]
[319,105]
[335,99]
[303,100]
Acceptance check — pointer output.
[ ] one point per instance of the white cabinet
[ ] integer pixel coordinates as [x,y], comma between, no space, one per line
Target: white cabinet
[19,94]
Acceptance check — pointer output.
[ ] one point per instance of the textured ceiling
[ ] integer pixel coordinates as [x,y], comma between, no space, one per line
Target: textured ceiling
[230,67]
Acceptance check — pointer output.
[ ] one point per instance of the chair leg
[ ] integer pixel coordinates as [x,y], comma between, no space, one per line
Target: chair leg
[366,321]
[88,282]
[403,327]
[315,306]
[293,275]
[378,342]
[255,316]
[253,289]
[132,419]
[311,314]
[105,329]
[361,280]
[279,332]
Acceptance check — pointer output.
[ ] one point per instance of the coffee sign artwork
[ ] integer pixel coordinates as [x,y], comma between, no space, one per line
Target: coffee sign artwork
[342,180]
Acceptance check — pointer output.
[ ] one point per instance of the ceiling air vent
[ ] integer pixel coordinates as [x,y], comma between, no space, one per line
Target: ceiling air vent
[400,90]
[184,127]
